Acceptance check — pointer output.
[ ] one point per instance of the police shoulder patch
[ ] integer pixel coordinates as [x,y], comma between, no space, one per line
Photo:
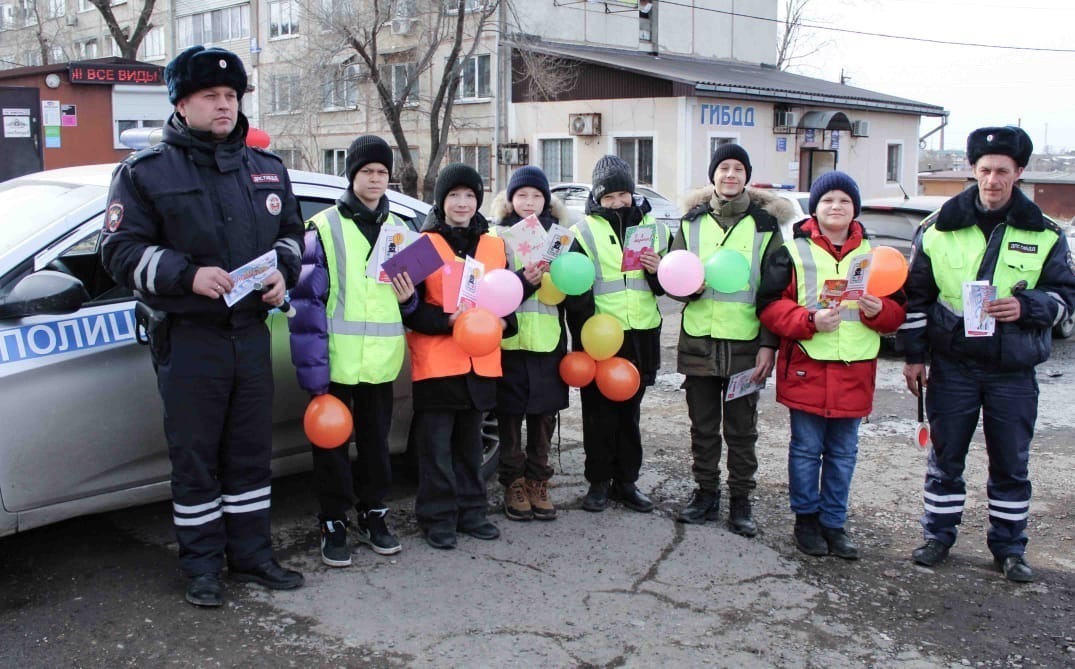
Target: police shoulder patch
[147,152]
[113,216]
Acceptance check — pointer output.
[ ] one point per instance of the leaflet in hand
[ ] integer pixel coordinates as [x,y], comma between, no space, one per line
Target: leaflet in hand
[527,239]
[391,240]
[976,322]
[558,240]
[244,278]
[740,385]
[836,291]
[473,271]
[419,259]
[636,239]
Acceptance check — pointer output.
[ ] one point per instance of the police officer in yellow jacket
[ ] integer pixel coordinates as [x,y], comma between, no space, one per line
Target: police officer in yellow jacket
[995,234]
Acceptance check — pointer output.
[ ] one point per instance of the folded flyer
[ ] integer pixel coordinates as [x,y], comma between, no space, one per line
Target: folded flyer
[527,239]
[419,259]
[740,385]
[976,322]
[558,241]
[391,240]
[244,278]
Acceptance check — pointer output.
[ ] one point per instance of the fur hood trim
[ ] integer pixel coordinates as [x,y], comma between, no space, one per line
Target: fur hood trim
[696,201]
[501,209]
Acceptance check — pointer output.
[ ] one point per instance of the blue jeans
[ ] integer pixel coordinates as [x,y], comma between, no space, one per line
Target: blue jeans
[821,461]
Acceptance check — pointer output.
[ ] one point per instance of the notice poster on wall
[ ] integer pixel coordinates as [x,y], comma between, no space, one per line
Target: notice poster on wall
[68,116]
[50,112]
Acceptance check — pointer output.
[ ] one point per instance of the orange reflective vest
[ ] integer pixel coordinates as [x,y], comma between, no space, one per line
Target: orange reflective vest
[436,356]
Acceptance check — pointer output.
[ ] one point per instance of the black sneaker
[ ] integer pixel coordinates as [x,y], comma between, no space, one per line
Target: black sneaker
[930,554]
[334,549]
[373,532]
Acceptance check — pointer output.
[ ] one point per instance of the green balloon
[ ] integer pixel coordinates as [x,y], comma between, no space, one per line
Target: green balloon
[727,271]
[572,273]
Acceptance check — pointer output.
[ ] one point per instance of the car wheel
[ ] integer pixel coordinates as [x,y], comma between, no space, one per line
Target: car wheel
[1064,328]
[490,446]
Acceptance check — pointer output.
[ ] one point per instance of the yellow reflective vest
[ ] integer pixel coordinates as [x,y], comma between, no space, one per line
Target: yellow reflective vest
[539,323]
[851,341]
[725,315]
[625,295]
[365,330]
[956,257]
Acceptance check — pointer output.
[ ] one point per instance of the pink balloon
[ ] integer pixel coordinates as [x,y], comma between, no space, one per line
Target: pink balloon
[680,273]
[500,292]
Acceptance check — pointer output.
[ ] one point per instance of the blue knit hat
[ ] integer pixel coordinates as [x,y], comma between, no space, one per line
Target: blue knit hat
[532,176]
[835,180]
[197,68]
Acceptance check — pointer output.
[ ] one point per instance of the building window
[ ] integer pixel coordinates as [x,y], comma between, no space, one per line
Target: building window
[292,158]
[284,93]
[54,9]
[405,9]
[401,73]
[397,164]
[715,142]
[57,55]
[478,157]
[339,88]
[88,49]
[452,6]
[334,162]
[283,18]
[153,45]
[894,166]
[558,159]
[475,79]
[7,17]
[219,25]
[638,152]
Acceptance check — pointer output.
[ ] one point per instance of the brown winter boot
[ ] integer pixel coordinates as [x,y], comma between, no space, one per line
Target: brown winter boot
[516,504]
[538,494]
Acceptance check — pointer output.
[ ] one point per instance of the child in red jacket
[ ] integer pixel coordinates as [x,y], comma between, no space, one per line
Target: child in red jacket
[828,358]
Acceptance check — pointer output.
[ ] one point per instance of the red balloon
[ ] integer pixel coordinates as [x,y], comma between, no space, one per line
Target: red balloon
[257,137]
[477,332]
[577,369]
[617,379]
[888,271]
[327,422]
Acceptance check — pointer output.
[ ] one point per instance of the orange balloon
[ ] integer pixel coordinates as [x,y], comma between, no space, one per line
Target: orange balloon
[477,332]
[888,271]
[577,369]
[327,422]
[617,379]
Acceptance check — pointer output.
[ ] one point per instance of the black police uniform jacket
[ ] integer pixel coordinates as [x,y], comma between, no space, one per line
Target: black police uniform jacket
[189,202]
[1017,345]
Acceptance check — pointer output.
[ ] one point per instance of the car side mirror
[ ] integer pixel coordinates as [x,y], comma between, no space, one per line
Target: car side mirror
[44,292]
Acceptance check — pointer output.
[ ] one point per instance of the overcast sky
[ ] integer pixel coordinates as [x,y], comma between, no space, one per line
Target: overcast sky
[978,86]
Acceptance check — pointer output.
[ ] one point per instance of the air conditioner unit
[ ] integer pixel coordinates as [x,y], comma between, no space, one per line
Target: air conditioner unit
[584,124]
[860,128]
[783,118]
[71,20]
[402,26]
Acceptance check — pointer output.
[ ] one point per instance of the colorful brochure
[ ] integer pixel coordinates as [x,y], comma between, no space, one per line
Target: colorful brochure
[473,271]
[976,322]
[527,239]
[419,259]
[253,272]
[558,240]
[857,275]
[636,239]
[740,385]
[391,240]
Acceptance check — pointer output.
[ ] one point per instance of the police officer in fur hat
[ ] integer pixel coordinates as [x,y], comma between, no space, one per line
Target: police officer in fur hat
[181,216]
[992,232]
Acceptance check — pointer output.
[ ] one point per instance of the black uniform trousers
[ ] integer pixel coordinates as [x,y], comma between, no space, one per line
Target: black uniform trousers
[533,463]
[611,437]
[957,392]
[451,492]
[217,388]
[708,411]
[366,480]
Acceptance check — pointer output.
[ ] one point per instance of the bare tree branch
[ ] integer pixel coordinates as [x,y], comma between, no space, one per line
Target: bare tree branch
[128,40]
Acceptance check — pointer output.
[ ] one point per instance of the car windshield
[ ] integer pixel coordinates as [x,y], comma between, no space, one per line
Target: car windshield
[32,205]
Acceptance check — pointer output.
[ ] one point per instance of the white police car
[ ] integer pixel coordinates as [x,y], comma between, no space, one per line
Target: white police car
[79,411]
